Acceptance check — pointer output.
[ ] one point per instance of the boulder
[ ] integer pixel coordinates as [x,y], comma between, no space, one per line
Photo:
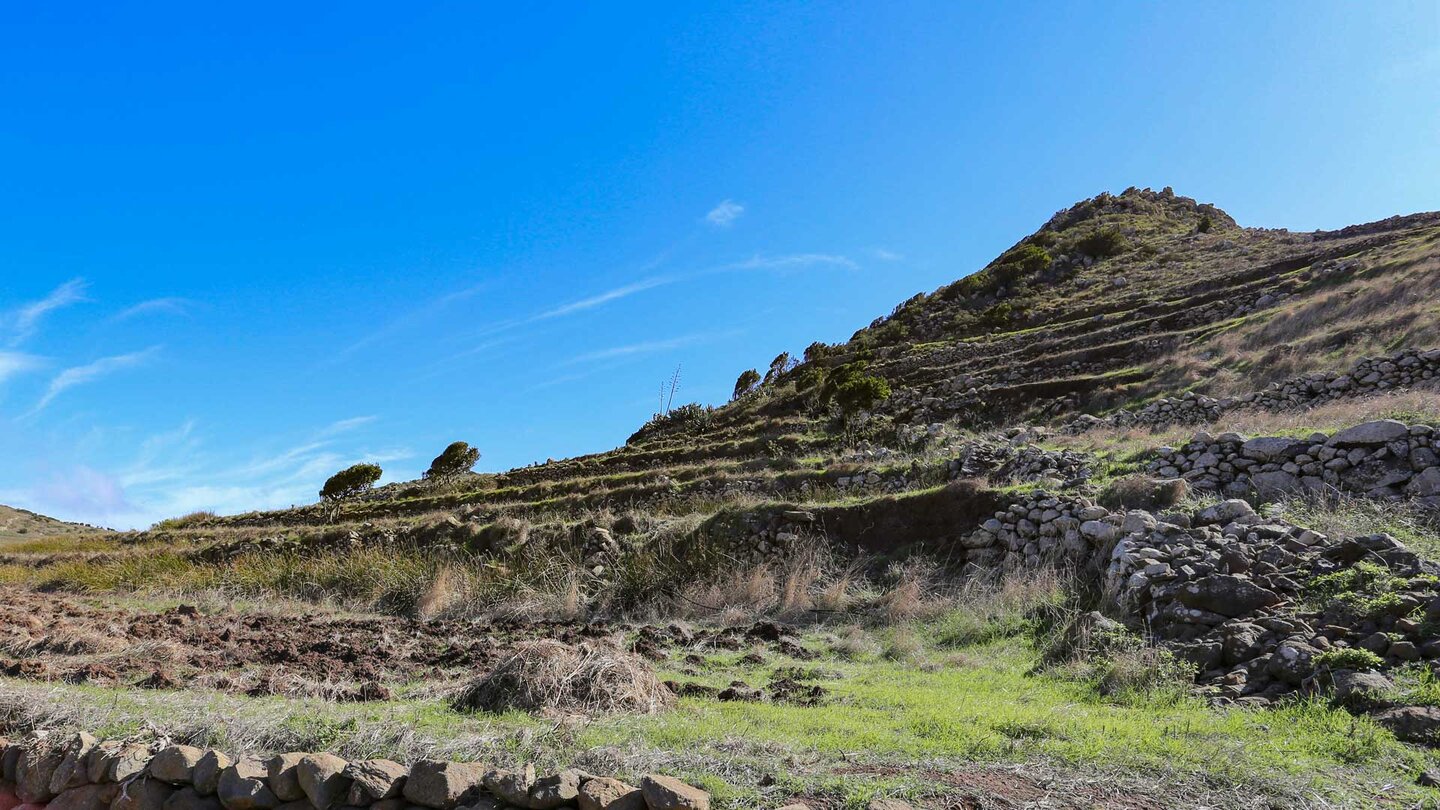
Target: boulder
[442,785]
[1357,688]
[1425,485]
[1270,448]
[512,786]
[186,798]
[283,777]
[142,793]
[72,770]
[1370,434]
[665,793]
[1413,724]
[1275,482]
[176,764]
[242,786]
[85,797]
[372,780]
[206,776]
[1225,512]
[1226,595]
[557,790]
[604,793]
[34,770]
[131,760]
[322,778]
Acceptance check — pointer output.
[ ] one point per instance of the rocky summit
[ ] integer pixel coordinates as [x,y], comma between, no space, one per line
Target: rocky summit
[1145,512]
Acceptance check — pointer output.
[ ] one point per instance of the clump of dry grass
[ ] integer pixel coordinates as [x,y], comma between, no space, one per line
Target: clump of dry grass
[550,676]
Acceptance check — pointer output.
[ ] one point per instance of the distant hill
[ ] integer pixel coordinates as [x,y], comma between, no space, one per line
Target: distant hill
[22,524]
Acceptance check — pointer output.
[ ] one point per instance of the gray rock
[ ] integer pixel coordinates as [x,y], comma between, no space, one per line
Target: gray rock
[176,764]
[556,790]
[186,798]
[142,793]
[1269,448]
[664,793]
[322,778]
[1226,595]
[1368,434]
[512,786]
[1225,512]
[1354,687]
[603,793]
[373,780]
[442,785]
[1425,485]
[85,797]
[1270,484]
[242,786]
[132,759]
[206,776]
[34,770]
[1413,724]
[283,777]
[72,770]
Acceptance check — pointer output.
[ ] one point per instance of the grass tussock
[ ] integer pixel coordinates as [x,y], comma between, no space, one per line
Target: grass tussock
[549,676]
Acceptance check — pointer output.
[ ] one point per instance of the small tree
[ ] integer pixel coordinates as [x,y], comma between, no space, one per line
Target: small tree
[778,366]
[1206,223]
[746,383]
[457,459]
[350,482]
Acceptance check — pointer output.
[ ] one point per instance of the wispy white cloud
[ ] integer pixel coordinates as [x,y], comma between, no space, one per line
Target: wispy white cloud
[155,306]
[419,315]
[345,425]
[13,363]
[648,347]
[794,261]
[27,319]
[603,298]
[79,375]
[886,255]
[725,213]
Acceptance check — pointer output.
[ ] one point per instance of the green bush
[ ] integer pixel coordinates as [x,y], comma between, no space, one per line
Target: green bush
[1102,243]
[1206,223]
[1349,658]
[862,393]
[350,482]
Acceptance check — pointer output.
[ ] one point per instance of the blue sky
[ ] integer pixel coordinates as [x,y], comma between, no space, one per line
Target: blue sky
[243,247]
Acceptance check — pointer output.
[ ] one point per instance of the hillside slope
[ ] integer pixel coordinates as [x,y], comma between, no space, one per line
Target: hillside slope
[22,524]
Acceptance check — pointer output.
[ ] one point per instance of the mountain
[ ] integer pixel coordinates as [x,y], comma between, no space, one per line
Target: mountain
[1115,302]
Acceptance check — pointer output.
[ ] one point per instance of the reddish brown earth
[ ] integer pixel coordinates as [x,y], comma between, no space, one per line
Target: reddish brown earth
[55,637]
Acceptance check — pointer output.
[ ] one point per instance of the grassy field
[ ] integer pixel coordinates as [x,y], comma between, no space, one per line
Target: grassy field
[911,722]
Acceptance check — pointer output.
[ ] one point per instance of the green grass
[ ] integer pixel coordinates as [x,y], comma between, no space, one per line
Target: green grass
[949,714]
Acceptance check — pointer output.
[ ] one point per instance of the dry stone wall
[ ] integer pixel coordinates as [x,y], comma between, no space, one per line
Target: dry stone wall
[78,772]
[1382,459]
[1402,370]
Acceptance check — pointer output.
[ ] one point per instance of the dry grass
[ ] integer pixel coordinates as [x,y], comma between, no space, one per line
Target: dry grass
[550,676]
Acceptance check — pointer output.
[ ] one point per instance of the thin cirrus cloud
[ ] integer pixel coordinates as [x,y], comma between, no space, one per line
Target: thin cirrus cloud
[155,306]
[724,214]
[80,375]
[28,318]
[648,347]
[13,363]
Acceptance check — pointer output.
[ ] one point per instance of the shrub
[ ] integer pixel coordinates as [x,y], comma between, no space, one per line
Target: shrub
[1349,658]
[691,418]
[456,460]
[861,393]
[350,482]
[1102,243]
[1206,223]
[746,383]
